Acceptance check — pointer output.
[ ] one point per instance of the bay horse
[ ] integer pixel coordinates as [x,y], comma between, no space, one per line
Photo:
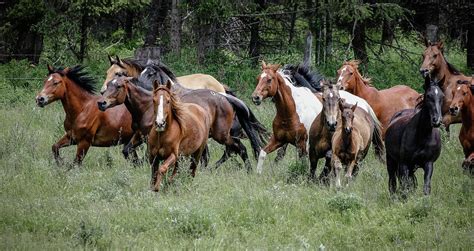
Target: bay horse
[463,103]
[133,68]
[385,103]
[413,140]
[296,107]
[438,68]
[351,140]
[222,107]
[178,129]
[85,125]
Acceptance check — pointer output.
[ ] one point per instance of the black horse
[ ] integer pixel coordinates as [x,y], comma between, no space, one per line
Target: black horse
[413,141]
[244,119]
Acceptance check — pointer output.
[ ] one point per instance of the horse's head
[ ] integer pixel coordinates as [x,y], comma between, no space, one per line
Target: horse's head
[149,75]
[330,103]
[346,76]
[163,101]
[115,93]
[267,83]
[432,59]
[433,100]
[347,115]
[462,94]
[54,86]
[117,69]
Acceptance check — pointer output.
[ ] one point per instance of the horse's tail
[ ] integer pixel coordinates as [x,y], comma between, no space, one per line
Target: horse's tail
[377,139]
[243,114]
[263,134]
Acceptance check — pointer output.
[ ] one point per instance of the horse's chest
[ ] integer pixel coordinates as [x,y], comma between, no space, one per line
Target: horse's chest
[289,131]
[346,157]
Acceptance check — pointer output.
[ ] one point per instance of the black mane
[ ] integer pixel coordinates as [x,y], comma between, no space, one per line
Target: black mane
[303,76]
[79,76]
[452,69]
[135,63]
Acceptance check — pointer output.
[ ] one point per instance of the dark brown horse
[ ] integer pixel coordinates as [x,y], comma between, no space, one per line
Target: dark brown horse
[178,129]
[437,68]
[85,125]
[413,140]
[385,103]
[463,102]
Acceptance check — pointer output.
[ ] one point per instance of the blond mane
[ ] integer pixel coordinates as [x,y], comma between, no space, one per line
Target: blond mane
[355,64]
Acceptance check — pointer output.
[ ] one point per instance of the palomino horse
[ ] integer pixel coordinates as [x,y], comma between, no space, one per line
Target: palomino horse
[463,102]
[179,129]
[351,140]
[85,125]
[437,67]
[139,103]
[413,140]
[384,102]
[297,107]
[133,68]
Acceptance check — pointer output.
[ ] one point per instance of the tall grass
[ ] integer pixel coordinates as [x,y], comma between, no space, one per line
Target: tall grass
[107,204]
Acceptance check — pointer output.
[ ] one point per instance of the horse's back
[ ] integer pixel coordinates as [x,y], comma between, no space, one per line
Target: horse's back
[201,81]
[401,96]
[364,124]
[196,127]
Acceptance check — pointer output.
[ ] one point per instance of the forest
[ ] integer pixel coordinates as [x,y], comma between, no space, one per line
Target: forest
[106,203]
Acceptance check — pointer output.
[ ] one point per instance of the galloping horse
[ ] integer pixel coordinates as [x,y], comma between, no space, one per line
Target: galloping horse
[463,102]
[179,129]
[133,68]
[437,67]
[413,140]
[85,125]
[384,102]
[297,107]
[220,106]
[139,102]
[351,140]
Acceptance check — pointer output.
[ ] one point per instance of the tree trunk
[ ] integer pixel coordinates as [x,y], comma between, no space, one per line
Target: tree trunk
[308,49]
[312,24]
[175,27]
[153,23]
[328,27]
[204,38]
[358,43]
[129,16]
[84,28]
[292,22]
[387,34]
[255,43]
[470,47]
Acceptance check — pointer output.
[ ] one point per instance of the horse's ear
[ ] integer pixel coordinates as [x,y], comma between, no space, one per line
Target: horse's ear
[111,60]
[341,104]
[264,65]
[441,45]
[353,108]
[66,70]
[156,84]
[275,67]
[118,61]
[50,69]
[168,84]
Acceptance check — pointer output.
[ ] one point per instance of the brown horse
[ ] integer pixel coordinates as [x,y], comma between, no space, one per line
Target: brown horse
[385,103]
[437,67]
[133,68]
[178,129]
[463,102]
[351,140]
[85,125]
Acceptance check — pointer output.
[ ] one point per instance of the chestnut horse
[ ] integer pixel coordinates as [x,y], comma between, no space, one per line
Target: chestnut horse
[384,102]
[85,125]
[178,129]
[351,140]
[296,107]
[437,67]
[133,68]
[413,140]
[463,102]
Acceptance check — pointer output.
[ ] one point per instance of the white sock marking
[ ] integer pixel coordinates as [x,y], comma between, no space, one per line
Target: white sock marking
[261,158]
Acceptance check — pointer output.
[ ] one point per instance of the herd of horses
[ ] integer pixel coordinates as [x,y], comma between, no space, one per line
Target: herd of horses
[336,120]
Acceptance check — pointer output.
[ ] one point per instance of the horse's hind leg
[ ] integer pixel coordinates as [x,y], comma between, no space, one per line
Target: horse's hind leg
[82,148]
[270,147]
[428,168]
[242,151]
[404,173]
[313,162]
[324,176]
[392,167]
[64,141]
[281,153]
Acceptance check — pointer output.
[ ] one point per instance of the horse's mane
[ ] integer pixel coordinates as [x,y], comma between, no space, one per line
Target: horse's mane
[80,77]
[166,70]
[452,69]
[355,64]
[139,65]
[177,107]
[302,76]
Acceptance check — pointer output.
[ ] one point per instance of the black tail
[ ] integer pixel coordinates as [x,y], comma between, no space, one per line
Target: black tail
[243,114]
[263,134]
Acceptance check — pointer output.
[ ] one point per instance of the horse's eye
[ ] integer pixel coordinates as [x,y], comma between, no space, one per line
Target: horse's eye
[55,83]
[167,101]
[351,73]
[435,55]
[269,81]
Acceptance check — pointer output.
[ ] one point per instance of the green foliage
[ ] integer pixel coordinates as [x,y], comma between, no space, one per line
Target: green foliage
[345,203]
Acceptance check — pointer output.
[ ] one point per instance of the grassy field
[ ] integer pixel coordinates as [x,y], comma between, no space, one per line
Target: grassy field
[107,204]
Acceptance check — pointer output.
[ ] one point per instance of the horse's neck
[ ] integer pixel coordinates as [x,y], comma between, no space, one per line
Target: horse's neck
[422,123]
[75,100]
[284,103]
[179,89]
[443,73]
[467,113]
[346,139]
[362,90]
[138,102]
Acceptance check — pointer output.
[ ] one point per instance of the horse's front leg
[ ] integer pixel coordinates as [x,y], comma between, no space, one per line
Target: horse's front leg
[135,141]
[404,176]
[428,168]
[162,171]
[350,168]
[82,148]
[270,147]
[64,141]
[337,167]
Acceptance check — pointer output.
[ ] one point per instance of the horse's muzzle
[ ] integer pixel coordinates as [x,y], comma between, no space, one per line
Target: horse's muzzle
[454,110]
[257,100]
[160,127]
[332,126]
[436,122]
[102,105]
[348,129]
[41,101]
[424,72]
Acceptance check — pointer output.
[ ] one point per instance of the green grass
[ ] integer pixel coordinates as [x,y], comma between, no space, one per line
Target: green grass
[107,204]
